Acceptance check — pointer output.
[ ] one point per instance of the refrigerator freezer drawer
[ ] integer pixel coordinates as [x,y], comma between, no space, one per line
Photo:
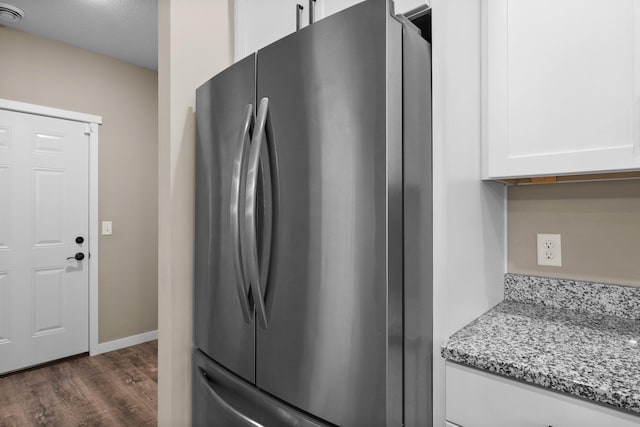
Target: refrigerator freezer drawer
[221,399]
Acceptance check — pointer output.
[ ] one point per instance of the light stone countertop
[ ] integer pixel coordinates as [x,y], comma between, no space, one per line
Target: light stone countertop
[549,333]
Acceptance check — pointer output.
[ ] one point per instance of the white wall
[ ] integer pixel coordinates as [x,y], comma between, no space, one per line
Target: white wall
[469,215]
[194,41]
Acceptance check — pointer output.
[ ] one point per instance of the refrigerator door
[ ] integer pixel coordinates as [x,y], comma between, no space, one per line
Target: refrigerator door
[221,399]
[223,324]
[332,343]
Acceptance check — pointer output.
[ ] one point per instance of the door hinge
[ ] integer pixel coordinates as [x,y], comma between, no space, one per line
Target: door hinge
[87,129]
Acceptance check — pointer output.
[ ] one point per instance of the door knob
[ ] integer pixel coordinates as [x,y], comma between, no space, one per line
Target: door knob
[78,257]
[79,240]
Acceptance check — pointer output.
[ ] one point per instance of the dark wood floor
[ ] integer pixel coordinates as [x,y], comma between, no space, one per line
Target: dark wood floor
[113,389]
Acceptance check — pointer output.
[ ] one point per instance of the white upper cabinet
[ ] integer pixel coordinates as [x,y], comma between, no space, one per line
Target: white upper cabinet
[329,7]
[562,87]
[258,23]
[404,6]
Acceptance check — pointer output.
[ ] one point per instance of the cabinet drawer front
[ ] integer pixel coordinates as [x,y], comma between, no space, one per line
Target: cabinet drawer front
[479,399]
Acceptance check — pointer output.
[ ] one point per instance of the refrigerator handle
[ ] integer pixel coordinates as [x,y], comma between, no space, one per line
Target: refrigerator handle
[230,410]
[237,184]
[259,161]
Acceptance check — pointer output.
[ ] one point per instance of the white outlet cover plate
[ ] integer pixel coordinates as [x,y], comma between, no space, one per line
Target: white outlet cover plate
[549,250]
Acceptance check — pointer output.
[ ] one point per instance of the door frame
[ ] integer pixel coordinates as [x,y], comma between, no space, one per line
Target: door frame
[91,129]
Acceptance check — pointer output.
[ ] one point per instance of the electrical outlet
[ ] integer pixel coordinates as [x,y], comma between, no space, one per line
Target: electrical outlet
[549,250]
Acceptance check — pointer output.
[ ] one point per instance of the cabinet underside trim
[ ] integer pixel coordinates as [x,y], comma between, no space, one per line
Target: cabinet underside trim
[571,178]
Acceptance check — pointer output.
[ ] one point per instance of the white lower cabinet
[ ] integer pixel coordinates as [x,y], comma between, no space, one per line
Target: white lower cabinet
[479,399]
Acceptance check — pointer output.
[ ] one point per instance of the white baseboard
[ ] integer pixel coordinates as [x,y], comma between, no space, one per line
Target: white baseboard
[126,342]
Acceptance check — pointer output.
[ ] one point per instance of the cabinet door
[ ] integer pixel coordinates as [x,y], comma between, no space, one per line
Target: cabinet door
[563,92]
[259,23]
[329,7]
[479,399]
[403,6]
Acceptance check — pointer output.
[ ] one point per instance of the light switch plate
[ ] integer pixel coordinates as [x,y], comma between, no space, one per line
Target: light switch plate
[107,228]
[549,250]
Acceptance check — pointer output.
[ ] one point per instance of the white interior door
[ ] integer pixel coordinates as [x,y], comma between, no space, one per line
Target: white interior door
[44,174]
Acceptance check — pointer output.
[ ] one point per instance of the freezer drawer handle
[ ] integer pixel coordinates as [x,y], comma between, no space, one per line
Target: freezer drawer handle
[233,412]
[237,184]
[259,163]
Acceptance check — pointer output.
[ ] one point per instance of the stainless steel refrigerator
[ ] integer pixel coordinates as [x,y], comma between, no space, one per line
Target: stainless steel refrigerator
[313,283]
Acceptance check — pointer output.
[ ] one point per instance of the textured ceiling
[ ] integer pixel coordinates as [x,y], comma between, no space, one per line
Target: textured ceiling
[124,29]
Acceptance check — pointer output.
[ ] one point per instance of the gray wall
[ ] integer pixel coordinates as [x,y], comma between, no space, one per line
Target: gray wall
[41,71]
[599,223]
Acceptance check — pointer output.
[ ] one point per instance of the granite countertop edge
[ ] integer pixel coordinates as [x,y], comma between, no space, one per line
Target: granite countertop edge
[534,377]
[493,343]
